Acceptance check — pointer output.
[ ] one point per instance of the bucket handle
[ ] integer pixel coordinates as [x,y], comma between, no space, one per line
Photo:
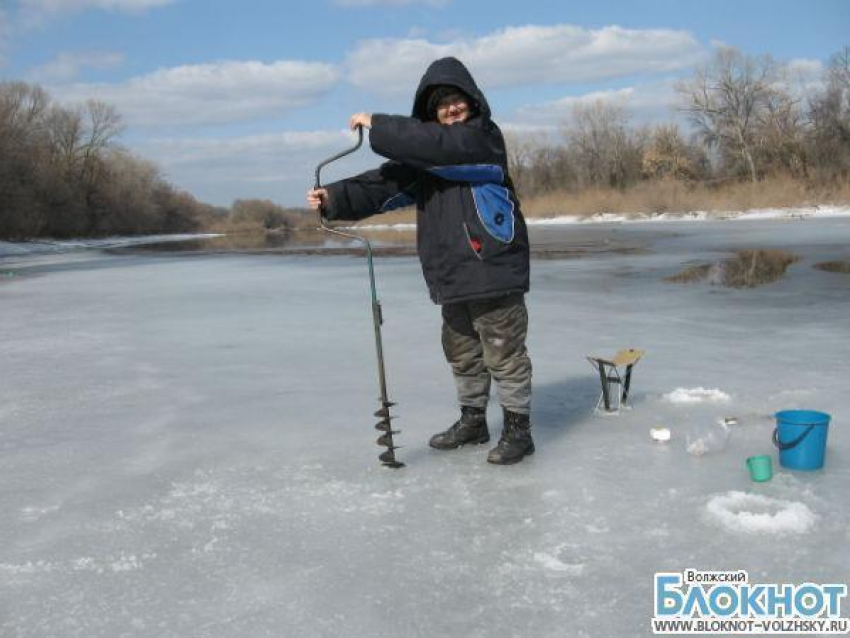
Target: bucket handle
[791,444]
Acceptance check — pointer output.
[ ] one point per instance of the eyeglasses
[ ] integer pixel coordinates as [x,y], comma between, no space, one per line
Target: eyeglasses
[458,102]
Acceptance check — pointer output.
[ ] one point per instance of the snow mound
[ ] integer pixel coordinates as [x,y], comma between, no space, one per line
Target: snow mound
[754,513]
[696,395]
[555,564]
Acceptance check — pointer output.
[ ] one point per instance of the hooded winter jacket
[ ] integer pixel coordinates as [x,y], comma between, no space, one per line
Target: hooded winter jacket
[471,236]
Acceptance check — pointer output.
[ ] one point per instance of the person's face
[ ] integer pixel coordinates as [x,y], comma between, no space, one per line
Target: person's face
[452,109]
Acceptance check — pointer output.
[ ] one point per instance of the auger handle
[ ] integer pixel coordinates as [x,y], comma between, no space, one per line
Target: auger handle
[320,211]
[319,168]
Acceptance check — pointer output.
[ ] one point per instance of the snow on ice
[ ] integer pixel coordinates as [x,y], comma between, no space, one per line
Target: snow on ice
[697,395]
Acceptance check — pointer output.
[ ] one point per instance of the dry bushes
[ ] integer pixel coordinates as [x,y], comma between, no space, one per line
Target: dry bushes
[752,268]
[63,174]
[405,215]
[842,267]
[672,196]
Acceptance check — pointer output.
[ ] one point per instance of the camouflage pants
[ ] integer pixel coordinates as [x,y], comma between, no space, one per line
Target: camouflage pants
[486,339]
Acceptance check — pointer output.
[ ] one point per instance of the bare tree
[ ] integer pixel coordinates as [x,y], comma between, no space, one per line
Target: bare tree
[524,153]
[64,130]
[782,133]
[606,151]
[62,175]
[21,107]
[668,155]
[725,100]
[839,71]
[829,114]
[22,147]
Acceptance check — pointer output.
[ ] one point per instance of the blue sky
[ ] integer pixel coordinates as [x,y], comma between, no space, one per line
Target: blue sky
[241,99]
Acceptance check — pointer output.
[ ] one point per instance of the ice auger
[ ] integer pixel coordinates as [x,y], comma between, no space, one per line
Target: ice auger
[386,439]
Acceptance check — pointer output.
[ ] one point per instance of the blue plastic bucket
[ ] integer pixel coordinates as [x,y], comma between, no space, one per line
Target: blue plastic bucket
[800,436]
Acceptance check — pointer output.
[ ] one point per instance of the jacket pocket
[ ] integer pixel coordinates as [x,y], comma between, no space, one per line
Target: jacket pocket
[489,224]
[495,210]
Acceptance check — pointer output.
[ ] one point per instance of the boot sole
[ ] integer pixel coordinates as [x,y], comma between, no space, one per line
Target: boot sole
[481,441]
[528,452]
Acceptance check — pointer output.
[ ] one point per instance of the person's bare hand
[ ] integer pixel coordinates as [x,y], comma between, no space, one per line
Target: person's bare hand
[317,198]
[360,119]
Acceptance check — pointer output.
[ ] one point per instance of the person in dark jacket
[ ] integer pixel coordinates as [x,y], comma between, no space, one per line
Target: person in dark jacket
[449,159]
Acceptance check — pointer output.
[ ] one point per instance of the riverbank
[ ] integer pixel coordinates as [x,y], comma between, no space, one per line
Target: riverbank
[394,234]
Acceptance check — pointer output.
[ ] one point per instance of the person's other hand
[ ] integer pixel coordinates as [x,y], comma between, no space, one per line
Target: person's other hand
[360,119]
[317,198]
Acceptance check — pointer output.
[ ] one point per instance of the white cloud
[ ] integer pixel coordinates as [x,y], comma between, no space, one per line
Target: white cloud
[55,7]
[36,13]
[389,3]
[805,67]
[526,55]
[643,103]
[66,66]
[277,166]
[802,77]
[5,30]
[228,91]
[268,147]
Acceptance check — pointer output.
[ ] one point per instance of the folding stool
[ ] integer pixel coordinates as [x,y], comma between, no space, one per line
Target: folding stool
[615,371]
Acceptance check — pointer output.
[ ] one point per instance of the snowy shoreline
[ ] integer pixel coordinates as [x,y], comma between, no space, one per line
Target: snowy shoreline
[760,214]
[47,246]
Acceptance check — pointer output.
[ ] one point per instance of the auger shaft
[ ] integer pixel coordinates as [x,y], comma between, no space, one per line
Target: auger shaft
[388,457]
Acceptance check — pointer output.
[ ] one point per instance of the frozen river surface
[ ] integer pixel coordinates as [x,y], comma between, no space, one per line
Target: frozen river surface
[186,443]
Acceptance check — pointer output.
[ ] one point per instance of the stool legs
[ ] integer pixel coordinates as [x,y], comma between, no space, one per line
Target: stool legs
[626,384]
[610,375]
[603,377]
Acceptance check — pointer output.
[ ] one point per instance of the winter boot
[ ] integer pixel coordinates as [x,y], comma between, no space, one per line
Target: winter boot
[515,442]
[470,428]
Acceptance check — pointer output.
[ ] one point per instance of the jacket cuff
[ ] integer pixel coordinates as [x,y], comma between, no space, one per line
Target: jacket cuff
[335,192]
[379,123]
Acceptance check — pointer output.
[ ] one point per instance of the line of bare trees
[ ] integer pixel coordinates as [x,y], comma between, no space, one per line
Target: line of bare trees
[748,123]
[62,174]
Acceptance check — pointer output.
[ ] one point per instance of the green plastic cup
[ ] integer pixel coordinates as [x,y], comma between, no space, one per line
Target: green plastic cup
[760,468]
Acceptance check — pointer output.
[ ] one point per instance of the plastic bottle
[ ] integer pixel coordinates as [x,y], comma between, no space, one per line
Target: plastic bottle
[707,439]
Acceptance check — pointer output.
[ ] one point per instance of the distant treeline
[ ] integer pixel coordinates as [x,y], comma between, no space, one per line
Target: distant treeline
[63,175]
[749,123]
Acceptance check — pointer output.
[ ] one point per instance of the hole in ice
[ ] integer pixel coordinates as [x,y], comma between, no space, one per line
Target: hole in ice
[751,513]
